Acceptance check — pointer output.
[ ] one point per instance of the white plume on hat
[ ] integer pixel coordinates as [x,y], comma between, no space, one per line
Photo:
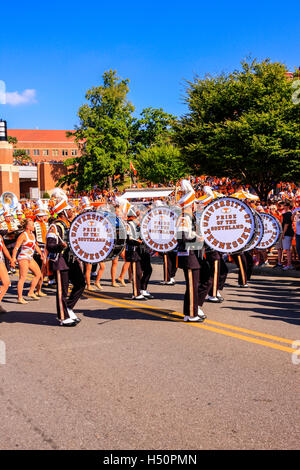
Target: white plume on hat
[208,191]
[124,204]
[189,196]
[59,193]
[19,208]
[186,186]
[41,208]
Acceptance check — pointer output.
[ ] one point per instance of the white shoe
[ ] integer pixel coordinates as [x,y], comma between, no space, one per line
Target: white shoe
[147,294]
[139,297]
[201,314]
[213,299]
[193,319]
[171,282]
[68,322]
[51,282]
[73,316]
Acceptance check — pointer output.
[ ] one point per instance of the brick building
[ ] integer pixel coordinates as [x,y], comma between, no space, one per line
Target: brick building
[45,145]
[48,150]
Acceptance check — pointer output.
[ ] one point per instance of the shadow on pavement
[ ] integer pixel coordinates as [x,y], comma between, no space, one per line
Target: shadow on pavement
[125,314]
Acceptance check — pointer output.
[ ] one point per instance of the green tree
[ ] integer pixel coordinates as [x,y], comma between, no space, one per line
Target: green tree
[153,128]
[160,164]
[102,136]
[243,125]
[12,140]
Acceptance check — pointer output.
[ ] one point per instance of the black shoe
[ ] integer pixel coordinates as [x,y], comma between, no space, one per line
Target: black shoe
[221,299]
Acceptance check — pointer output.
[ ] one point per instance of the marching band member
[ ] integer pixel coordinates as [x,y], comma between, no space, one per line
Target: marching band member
[19,214]
[218,275]
[187,258]
[9,225]
[4,277]
[139,259]
[65,266]
[244,272]
[41,228]
[169,267]
[86,206]
[121,211]
[169,260]
[27,245]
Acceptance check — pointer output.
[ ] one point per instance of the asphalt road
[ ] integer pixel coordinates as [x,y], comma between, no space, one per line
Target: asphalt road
[132,375]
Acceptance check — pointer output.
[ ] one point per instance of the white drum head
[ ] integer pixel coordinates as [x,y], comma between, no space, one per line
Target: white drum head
[158,229]
[272,231]
[227,225]
[92,236]
[259,232]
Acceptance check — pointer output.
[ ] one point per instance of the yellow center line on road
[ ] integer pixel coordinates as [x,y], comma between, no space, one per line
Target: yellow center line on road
[211,322]
[120,303]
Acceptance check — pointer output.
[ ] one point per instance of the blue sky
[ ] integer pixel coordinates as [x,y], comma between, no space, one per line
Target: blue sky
[51,53]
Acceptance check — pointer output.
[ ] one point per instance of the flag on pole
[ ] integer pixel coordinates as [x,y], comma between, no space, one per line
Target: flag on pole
[132,168]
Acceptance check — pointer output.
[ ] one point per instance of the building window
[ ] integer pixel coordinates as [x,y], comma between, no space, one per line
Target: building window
[74,152]
[36,152]
[65,153]
[45,153]
[28,152]
[55,153]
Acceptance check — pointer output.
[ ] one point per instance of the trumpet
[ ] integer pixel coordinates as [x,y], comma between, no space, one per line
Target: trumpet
[9,200]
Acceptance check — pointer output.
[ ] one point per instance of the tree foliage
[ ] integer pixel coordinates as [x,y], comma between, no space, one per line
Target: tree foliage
[160,164]
[243,125]
[154,127]
[21,157]
[12,140]
[103,134]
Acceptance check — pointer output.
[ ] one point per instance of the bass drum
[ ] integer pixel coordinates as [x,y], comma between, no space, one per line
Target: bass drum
[158,229]
[259,232]
[96,236]
[272,231]
[228,225]
[120,235]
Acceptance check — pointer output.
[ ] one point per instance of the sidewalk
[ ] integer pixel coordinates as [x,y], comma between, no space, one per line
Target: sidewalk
[271,271]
